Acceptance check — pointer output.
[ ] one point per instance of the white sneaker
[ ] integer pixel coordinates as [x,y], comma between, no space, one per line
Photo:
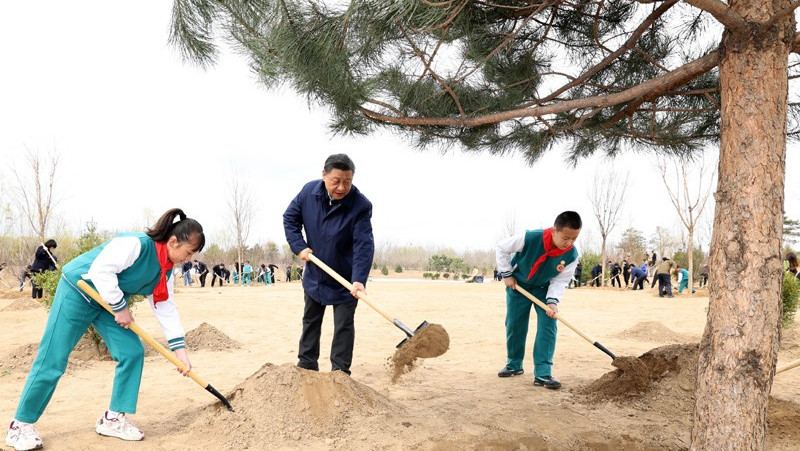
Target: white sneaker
[23,436]
[119,427]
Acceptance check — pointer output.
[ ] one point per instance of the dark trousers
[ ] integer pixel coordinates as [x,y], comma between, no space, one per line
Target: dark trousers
[638,283]
[214,279]
[664,281]
[344,334]
[627,277]
[203,279]
[616,278]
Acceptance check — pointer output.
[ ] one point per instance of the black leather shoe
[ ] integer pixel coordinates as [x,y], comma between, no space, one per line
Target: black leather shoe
[508,372]
[308,366]
[546,382]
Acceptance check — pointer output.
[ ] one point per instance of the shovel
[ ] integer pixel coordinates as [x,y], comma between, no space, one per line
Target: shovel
[546,308]
[363,297]
[156,345]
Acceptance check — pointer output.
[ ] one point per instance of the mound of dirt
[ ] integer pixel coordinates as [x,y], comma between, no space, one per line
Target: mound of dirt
[21,358]
[288,403]
[651,331]
[203,337]
[206,336]
[431,341]
[664,382]
[668,371]
[22,303]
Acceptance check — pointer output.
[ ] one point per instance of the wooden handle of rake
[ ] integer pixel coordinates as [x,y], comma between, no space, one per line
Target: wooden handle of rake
[547,308]
[347,284]
[156,345]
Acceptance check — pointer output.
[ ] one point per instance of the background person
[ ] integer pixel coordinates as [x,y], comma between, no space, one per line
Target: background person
[42,261]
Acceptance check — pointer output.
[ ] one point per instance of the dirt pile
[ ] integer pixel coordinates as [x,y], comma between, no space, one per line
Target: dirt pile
[22,303]
[651,331]
[288,403]
[207,337]
[21,359]
[431,341]
[203,337]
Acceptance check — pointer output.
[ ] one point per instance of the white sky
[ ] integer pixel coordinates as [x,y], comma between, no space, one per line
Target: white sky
[139,131]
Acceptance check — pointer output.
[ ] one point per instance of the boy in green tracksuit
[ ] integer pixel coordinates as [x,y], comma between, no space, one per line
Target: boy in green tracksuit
[542,262]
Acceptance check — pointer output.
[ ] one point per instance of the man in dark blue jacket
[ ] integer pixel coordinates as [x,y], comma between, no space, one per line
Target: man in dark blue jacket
[338,229]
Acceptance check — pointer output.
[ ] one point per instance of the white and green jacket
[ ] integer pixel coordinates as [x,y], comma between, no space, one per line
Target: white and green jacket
[124,266]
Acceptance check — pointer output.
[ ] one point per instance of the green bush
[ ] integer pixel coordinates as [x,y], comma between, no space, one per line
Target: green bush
[427,275]
[435,276]
[790,295]
[374,265]
[385,270]
[446,275]
[398,268]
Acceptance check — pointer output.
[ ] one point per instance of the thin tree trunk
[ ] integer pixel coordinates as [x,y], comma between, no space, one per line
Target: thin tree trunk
[740,343]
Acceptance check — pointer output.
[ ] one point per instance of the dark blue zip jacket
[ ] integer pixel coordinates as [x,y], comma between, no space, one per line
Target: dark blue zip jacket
[339,233]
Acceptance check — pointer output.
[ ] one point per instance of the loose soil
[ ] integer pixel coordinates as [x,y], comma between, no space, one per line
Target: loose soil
[451,402]
[430,341]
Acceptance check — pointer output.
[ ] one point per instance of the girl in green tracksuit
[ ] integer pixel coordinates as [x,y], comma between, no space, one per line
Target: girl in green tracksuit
[128,264]
[542,262]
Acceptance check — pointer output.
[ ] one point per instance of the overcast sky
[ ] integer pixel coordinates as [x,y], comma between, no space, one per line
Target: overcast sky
[139,131]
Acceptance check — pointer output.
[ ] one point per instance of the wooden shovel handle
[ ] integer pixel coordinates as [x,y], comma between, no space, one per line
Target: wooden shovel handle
[142,334]
[313,258]
[547,308]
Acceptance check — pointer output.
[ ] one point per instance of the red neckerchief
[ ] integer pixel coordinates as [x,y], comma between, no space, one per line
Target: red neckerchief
[160,293]
[549,250]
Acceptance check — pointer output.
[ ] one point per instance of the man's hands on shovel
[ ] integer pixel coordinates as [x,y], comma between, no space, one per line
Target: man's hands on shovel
[511,282]
[357,286]
[124,318]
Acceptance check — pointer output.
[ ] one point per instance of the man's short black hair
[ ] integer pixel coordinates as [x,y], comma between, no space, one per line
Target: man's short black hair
[339,161]
[569,219]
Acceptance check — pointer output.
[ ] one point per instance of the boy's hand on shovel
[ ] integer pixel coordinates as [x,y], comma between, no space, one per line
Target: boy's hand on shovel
[552,311]
[510,282]
[124,318]
[183,357]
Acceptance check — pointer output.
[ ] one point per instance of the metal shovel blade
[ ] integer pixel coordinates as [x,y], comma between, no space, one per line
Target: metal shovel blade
[408,332]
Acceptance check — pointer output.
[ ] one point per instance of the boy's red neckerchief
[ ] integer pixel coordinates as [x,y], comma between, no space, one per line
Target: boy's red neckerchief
[550,250]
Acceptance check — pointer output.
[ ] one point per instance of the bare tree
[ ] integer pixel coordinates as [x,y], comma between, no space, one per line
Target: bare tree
[688,202]
[35,190]
[241,211]
[606,196]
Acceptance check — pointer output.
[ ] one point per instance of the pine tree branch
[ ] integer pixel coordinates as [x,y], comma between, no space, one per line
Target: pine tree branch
[782,13]
[723,13]
[652,87]
[629,44]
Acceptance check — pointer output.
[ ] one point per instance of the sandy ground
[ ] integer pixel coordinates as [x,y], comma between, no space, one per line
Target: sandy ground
[455,401]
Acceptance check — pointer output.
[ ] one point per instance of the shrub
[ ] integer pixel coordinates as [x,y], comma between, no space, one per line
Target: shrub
[374,265]
[427,275]
[435,276]
[446,275]
[790,296]
[398,268]
[385,270]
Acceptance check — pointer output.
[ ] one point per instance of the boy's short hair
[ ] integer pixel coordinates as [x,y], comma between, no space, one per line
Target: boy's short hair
[568,219]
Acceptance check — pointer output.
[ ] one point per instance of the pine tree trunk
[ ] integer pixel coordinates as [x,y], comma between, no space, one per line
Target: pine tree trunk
[740,343]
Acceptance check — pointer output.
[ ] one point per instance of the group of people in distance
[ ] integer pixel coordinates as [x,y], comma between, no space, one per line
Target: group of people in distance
[245,274]
[329,218]
[635,276]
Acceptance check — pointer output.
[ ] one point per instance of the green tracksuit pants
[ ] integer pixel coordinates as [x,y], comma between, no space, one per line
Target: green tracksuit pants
[69,318]
[518,311]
